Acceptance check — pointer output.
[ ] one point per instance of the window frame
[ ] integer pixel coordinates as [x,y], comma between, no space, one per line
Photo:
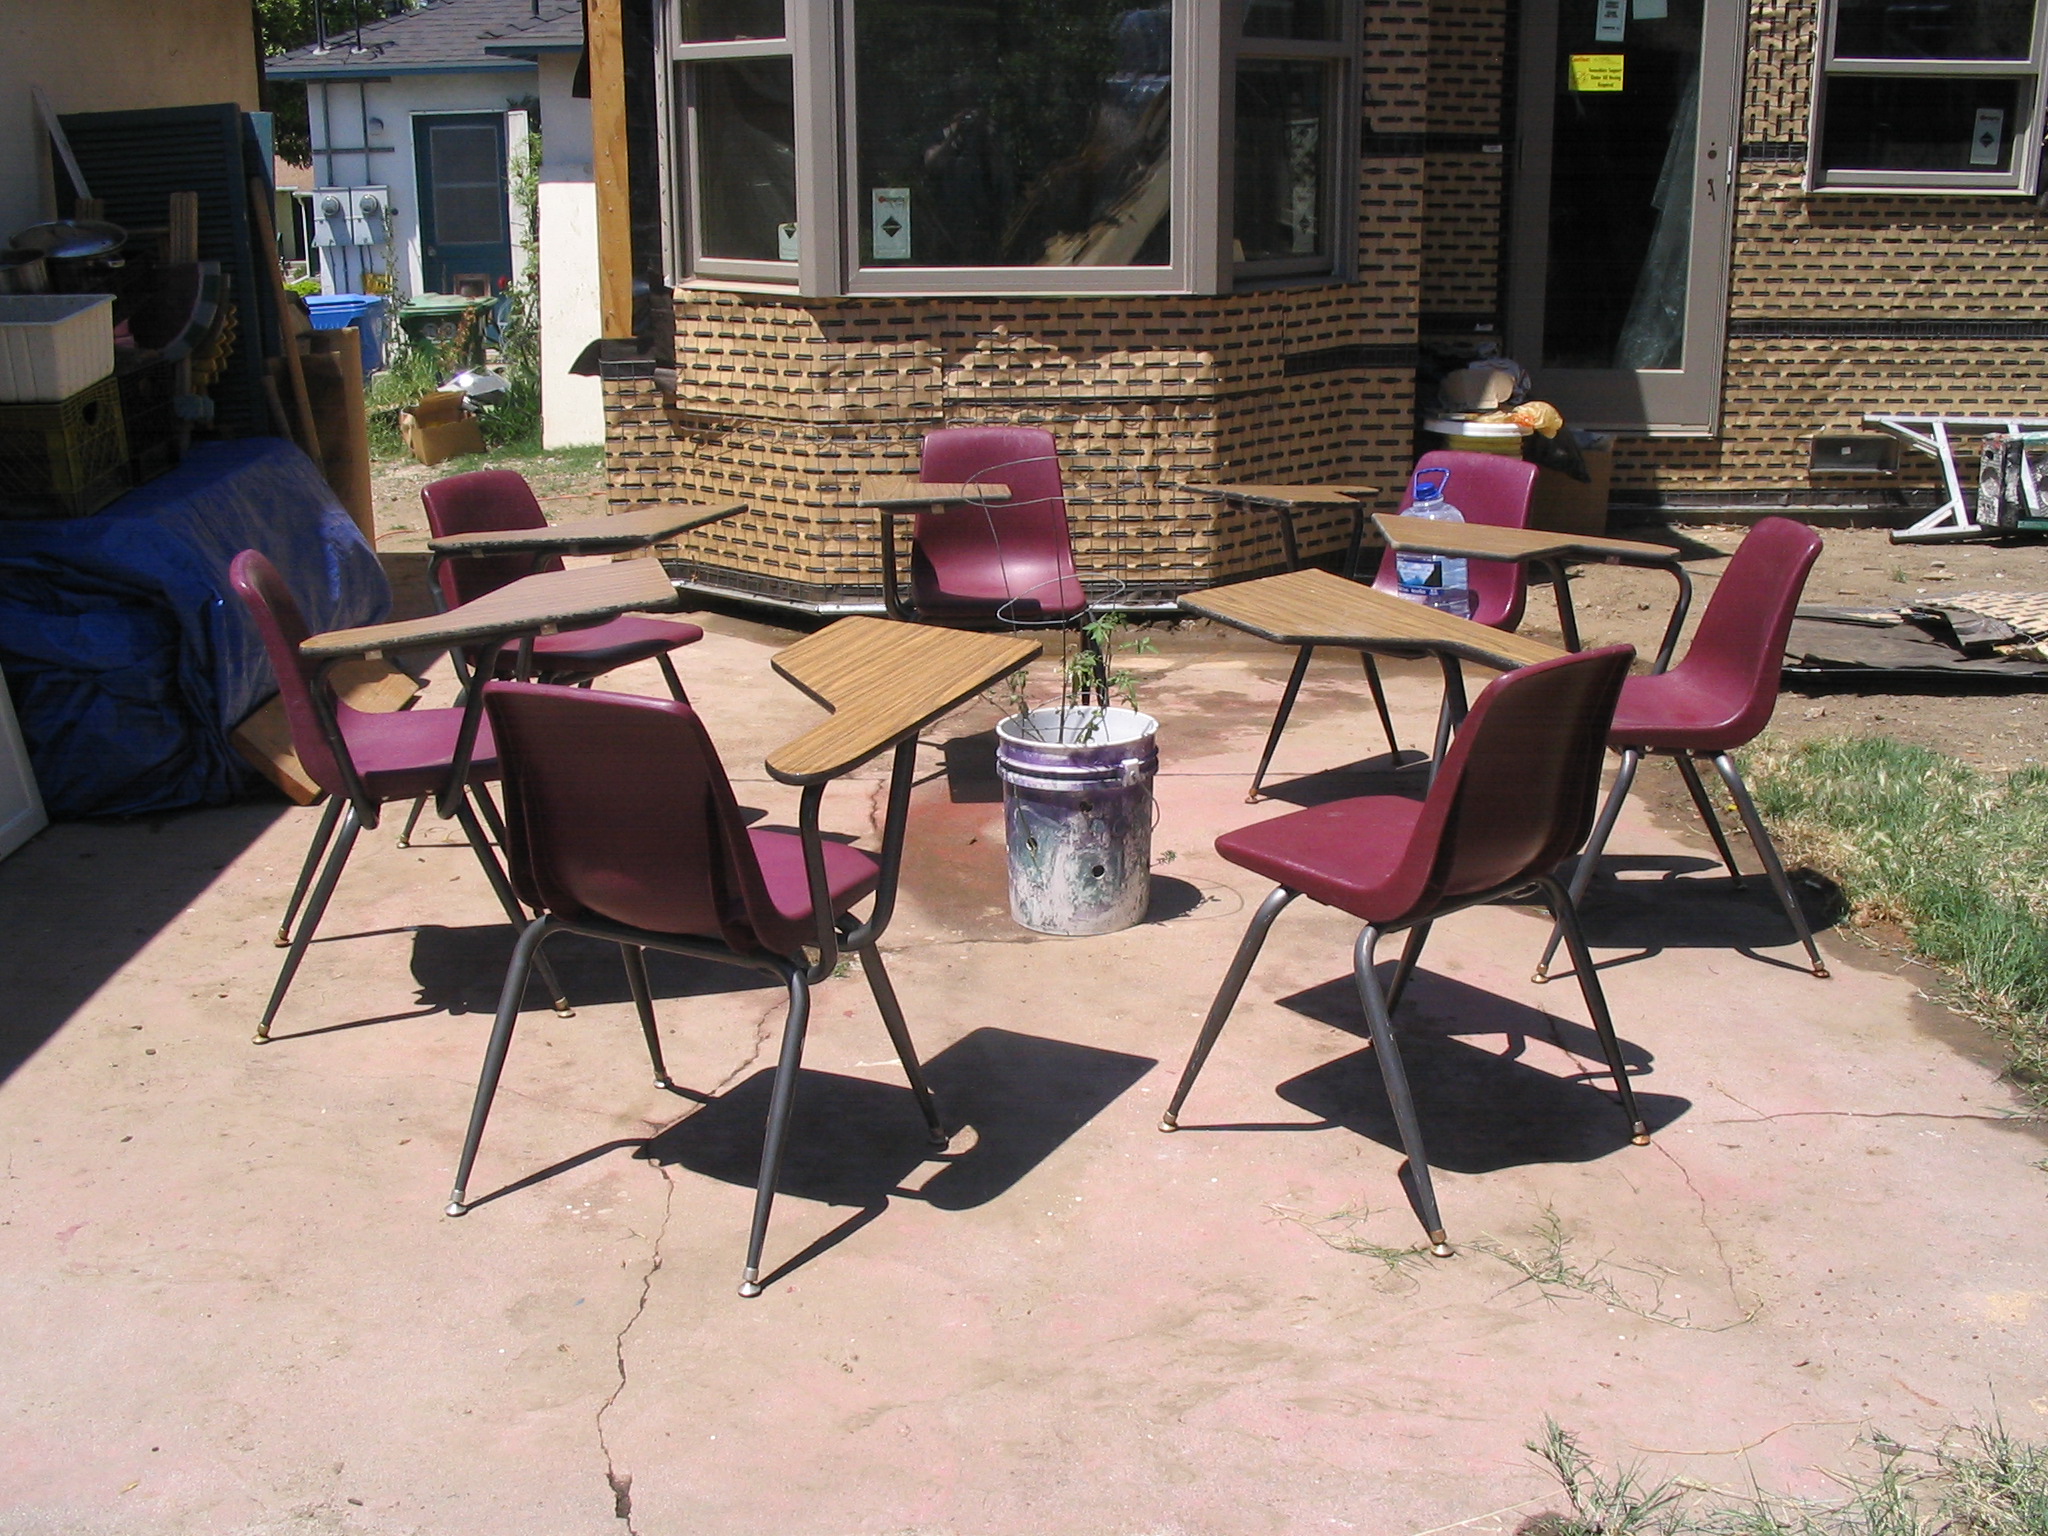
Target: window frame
[1207,45]
[1340,169]
[2020,179]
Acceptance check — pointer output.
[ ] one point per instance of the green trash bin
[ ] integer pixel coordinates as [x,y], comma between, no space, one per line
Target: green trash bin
[437,320]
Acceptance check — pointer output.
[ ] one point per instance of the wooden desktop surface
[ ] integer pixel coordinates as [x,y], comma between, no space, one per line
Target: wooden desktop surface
[1287,497]
[1315,607]
[912,494]
[1484,541]
[604,535]
[883,679]
[531,605]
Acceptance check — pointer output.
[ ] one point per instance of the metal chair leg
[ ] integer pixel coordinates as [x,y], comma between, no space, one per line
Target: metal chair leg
[635,959]
[1689,771]
[1450,714]
[1589,856]
[523,955]
[1226,998]
[1301,658]
[675,684]
[412,819]
[330,818]
[1566,916]
[488,809]
[344,843]
[779,1101]
[1768,852]
[1411,951]
[1379,700]
[1388,1055]
[899,1036]
[502,889]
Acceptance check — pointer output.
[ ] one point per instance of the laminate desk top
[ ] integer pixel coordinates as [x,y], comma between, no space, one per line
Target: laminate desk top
[1286,497]
[883,679]
[532,605]
[612,534]
[1485,541]
[909,493]
[1315,607]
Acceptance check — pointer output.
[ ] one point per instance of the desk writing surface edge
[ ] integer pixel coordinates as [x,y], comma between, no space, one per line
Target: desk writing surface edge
[623,588]
[858,729]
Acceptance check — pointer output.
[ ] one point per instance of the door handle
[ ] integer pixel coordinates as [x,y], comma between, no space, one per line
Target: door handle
[1713,154]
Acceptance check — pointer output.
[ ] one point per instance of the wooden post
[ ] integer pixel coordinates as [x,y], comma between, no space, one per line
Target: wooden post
[604,36]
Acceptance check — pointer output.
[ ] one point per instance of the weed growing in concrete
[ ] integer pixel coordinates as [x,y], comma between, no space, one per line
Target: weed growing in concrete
[1621,1503]
[1556,1274]
[1978,1482]
[1342,1231]
[1952,856]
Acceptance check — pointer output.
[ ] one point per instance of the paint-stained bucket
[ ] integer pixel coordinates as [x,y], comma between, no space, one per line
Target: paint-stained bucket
[1077,814]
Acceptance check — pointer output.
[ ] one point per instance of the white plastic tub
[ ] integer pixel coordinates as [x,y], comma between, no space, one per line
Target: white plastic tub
[54,344]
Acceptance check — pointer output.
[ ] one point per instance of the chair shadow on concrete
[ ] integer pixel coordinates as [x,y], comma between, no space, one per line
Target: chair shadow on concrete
[1008,1100]
[1379,775]
[1649,903]
[1483,1107]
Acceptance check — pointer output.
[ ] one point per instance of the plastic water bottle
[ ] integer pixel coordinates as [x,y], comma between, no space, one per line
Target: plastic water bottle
[1438,580]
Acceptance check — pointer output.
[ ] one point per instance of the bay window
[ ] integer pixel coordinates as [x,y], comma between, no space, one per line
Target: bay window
[1011,146]
[1929,95]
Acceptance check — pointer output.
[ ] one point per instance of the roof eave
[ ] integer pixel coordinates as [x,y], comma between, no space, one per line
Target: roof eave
[312,72]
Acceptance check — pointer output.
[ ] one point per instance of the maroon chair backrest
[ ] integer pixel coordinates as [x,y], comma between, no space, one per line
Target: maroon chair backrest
[617,807]
[1022,546]
[483,501]
[278,620]
[1739,648]
[1486,488]
[1517,789]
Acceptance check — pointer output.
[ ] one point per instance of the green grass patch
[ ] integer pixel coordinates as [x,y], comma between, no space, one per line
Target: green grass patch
[1957,859]
[1975,1482]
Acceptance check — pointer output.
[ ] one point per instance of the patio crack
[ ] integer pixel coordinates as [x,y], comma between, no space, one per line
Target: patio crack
[1707,1221]
[1987,1117]
[621,1483]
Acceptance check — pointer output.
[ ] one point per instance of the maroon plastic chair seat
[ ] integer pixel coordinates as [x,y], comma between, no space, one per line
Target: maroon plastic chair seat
[1719,698]
[1004,562]
[406,754]
[1485,488]
[621,824]
[1514,795]
[497,500]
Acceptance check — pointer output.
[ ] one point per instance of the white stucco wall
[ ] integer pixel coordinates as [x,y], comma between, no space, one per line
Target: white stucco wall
[337,112]
[572,407]
[110,56]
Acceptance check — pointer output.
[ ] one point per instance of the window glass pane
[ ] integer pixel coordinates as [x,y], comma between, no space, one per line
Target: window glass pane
[1013,132]
[1301,20]
[1933,29]
[746,157]
[1920,123]
[721,21]
[467,153]
[1282,154]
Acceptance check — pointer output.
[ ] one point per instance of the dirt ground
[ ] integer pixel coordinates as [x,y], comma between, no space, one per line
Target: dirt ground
[1992,726]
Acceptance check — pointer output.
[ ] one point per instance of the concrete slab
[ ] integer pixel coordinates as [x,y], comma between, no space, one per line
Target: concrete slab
[229,1301]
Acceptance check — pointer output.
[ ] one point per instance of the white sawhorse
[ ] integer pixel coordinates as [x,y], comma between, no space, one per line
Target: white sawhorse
[1930,435]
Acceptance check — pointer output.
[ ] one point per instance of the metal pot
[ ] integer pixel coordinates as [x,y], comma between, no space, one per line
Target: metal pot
[72,239]
[23,272]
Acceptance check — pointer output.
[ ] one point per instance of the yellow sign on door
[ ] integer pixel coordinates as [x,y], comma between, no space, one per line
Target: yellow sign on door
[1597,71]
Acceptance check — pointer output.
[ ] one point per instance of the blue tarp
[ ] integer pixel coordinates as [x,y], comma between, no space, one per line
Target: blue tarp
[129,657]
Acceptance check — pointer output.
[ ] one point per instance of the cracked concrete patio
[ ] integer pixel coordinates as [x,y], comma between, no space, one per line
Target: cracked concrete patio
[229,1301]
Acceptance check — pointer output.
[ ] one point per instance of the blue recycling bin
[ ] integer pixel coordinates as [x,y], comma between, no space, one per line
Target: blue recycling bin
[364,311]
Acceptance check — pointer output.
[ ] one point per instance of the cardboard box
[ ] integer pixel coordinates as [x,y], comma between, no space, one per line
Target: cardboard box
[438,428]
[1565,505]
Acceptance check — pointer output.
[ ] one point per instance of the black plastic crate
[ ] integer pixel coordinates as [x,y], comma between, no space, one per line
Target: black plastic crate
[149,414]
[64,460]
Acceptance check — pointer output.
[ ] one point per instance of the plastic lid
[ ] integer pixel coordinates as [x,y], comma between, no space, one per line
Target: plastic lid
[1429,485]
